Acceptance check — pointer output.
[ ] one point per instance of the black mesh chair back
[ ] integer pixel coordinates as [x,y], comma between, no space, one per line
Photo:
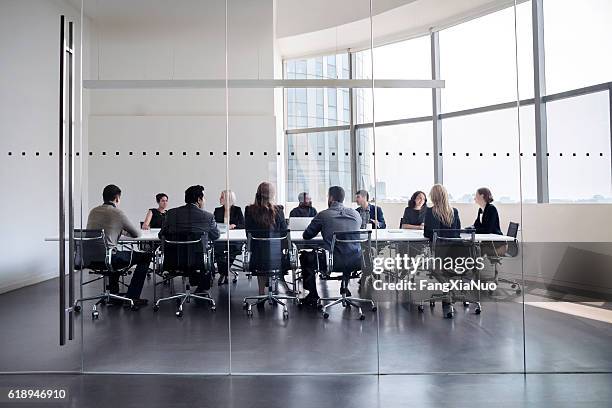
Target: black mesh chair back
[90,249]
[185,253]
[513,248]
[268,251]
[513,228]
[350,251]
[444,247]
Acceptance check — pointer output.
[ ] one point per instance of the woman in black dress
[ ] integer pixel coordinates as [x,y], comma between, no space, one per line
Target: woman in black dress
[155,216]
[263,216]
[230,215]
[414,214]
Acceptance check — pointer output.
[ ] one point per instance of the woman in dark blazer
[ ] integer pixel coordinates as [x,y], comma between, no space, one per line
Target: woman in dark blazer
[441,215]
[230,215]
[263,217]
[414,214]
[487,220]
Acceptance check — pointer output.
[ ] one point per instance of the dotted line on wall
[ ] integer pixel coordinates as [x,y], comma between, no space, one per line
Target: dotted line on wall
[265,153]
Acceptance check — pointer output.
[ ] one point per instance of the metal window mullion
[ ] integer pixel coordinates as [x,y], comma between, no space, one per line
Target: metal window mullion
[436,109]
[353,131]
[539,85]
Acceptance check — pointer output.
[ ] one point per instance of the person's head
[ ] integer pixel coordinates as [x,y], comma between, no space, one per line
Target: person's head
[362,197]
[304,199]
[195,195]
[441,205]
[483,197]
[418,200]
[162,200]
[263,207]
[335,194]
[227,198]
[111,194]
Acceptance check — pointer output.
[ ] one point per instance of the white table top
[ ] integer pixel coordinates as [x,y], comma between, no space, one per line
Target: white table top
[386,235]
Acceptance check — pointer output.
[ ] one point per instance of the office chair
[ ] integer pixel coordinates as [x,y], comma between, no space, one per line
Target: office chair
[184,256]
[222,247]
[345,272]
[443,247]
[282,257]
[511,250]
[91,252]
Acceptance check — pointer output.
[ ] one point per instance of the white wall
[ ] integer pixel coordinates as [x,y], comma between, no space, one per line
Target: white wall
[29,82]
[183,120]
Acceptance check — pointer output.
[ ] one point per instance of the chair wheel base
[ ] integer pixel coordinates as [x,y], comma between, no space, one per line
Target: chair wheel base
[432,304]
[179,313]
[421,308]
[213,308]
[361,317]
[95,315]
[77,308]
[155,308]
[374,308]
[249,313]
[325,315]
[478,310]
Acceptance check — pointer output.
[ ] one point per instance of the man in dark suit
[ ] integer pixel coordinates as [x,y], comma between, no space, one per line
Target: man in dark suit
[191,221]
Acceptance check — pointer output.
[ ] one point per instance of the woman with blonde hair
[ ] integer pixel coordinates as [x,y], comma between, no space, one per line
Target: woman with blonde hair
[230,215]
[441,215]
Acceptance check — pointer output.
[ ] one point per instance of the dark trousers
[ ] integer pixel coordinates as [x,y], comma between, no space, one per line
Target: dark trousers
[221,256]
[121,259]
[312,261]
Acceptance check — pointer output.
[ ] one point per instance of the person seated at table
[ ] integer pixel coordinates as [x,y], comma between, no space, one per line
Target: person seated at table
[335,218]
[231,215]
[113,221]
[441,215]
[190,222]
[370,213]
[304,208]
[263,216]
[487,220]
[155,216]
[414,214]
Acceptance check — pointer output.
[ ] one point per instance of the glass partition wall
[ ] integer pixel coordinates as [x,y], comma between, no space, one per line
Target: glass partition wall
[156,125]
[230,94]
[297,138]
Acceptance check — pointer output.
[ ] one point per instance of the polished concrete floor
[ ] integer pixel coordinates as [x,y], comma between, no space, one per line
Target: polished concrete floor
[396,339]
[355,391]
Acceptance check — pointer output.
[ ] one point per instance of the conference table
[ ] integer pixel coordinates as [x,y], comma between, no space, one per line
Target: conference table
[383,235]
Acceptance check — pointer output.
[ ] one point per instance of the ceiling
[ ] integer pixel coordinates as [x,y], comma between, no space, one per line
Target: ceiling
[305,27]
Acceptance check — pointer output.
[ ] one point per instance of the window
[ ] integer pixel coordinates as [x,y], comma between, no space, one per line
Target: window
[478,63]
[317,161]
[312,107]
[482,150]
[577,43]
[579,145]
[402,60]
[408,147]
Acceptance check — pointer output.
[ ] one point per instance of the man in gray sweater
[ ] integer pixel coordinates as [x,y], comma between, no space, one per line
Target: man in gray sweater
[114,222]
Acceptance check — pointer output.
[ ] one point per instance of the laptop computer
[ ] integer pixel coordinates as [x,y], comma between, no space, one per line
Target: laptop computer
[299,223]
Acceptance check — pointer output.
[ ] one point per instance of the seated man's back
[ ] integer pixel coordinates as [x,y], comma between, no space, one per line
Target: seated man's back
[190,222]
[337,218]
